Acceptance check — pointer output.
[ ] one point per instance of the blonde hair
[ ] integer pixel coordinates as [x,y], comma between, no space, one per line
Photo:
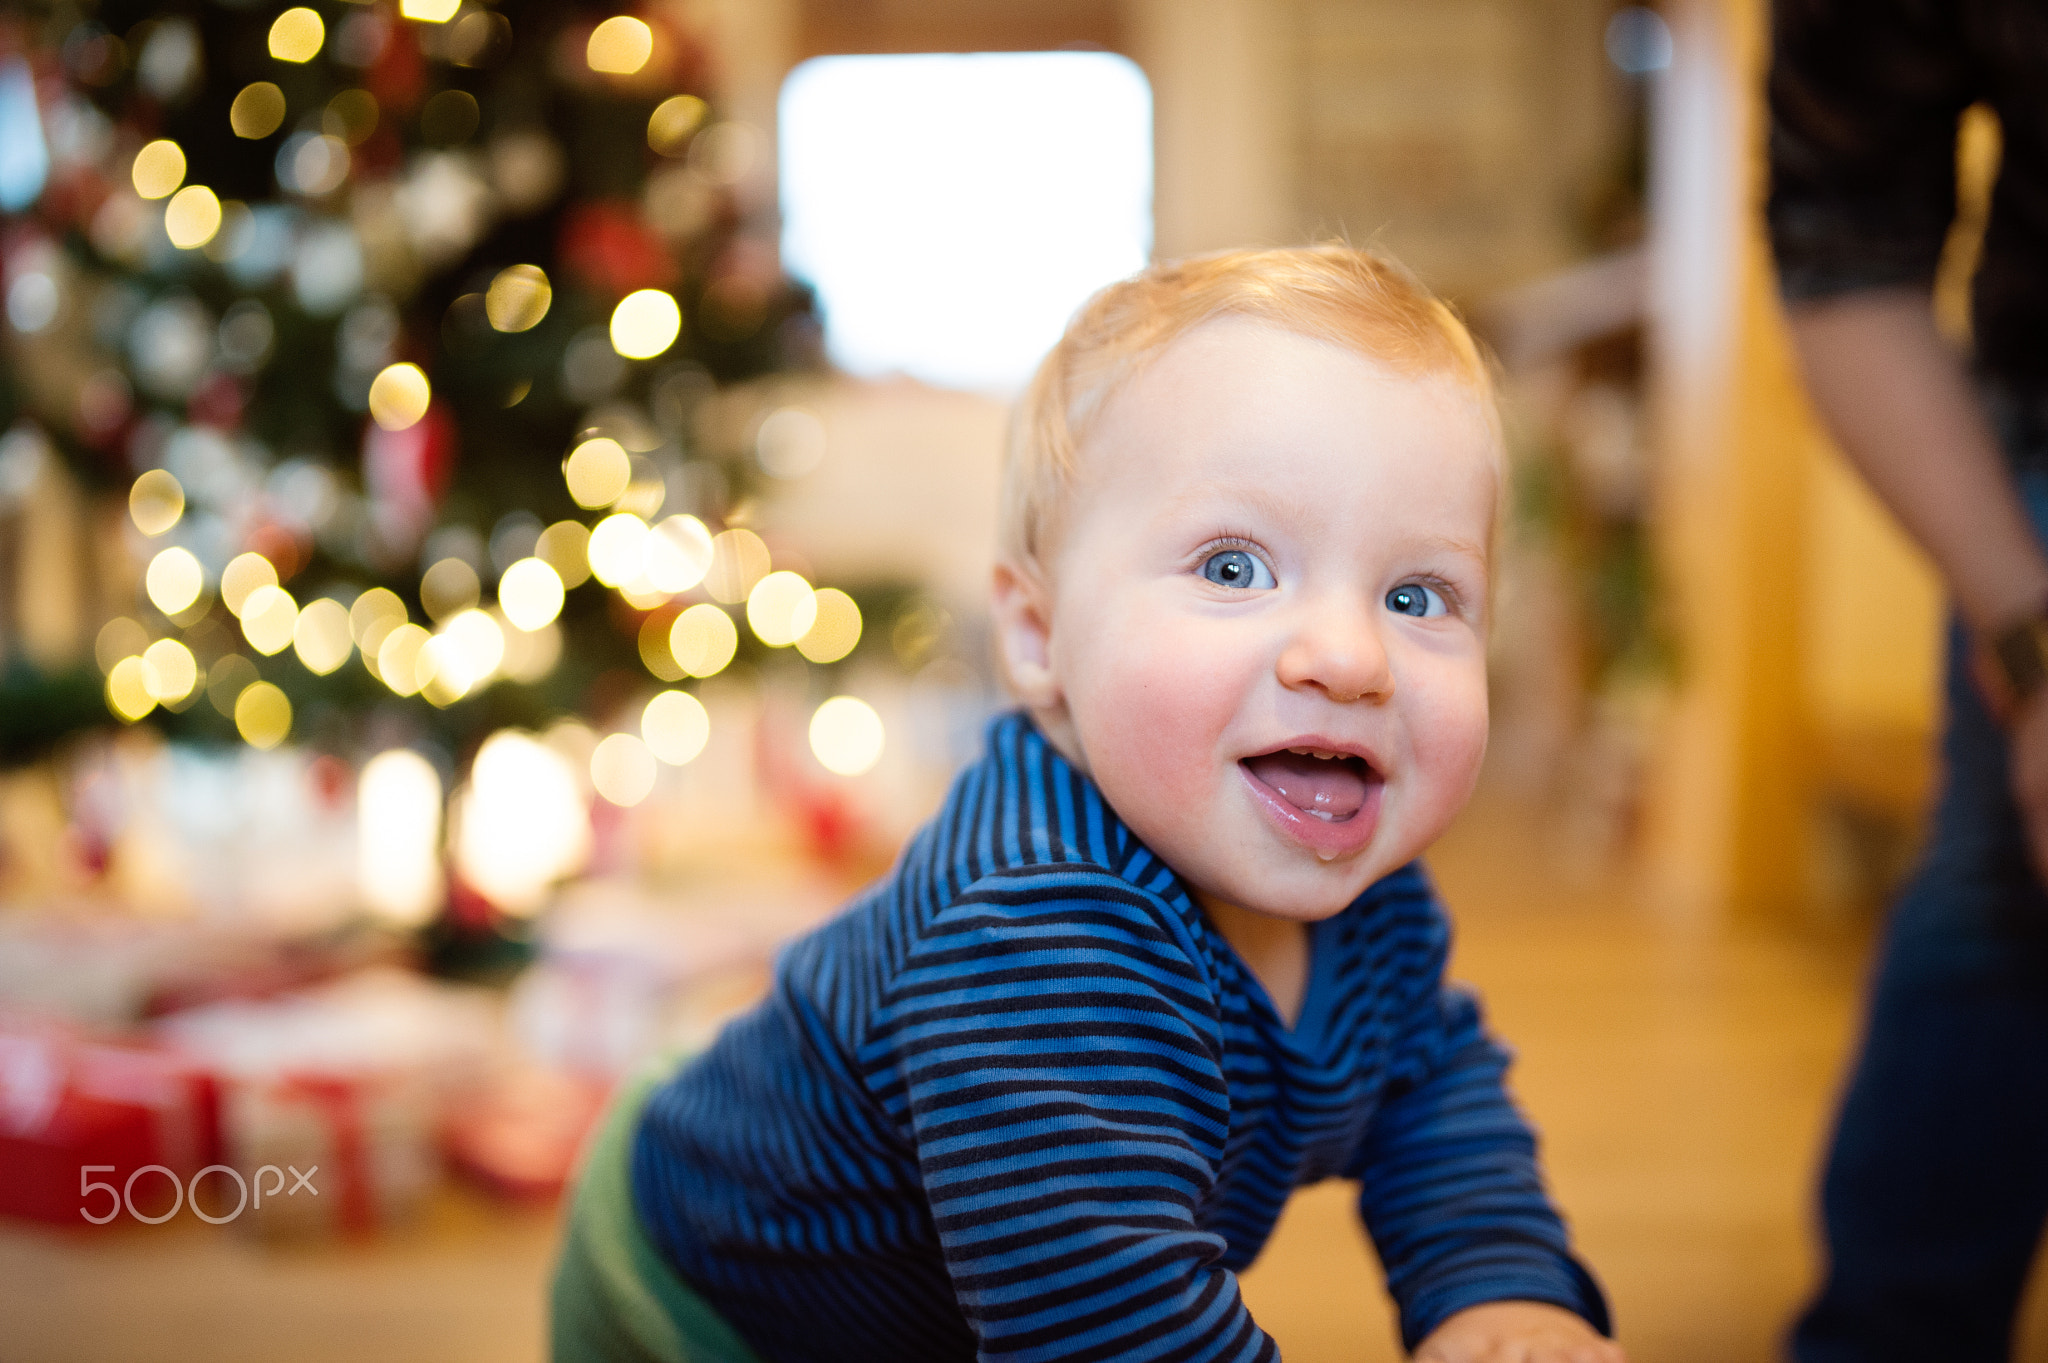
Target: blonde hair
[1337,293]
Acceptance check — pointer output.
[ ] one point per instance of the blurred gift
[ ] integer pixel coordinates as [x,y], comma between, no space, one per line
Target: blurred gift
[69,1103]
[521,1134]
[352,1079]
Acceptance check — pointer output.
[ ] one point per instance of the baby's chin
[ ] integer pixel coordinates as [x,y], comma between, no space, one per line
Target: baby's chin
[1307,894]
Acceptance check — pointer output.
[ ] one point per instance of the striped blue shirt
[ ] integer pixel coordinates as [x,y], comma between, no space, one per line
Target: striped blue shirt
[1020,1101]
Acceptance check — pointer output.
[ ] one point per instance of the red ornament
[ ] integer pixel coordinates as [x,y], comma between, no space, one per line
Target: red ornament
[398,78]
[614,251]
[218,402]
[287,552]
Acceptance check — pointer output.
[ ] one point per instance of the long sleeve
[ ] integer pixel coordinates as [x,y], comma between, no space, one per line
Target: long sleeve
[1448,1182]
[1864,100]
[1053,1046]
[1021,1101]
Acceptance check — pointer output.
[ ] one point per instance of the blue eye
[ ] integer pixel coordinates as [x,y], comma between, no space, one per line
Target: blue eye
[1413,598]
[1236,568]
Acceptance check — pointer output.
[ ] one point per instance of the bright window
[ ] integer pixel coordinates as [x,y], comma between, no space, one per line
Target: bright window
[953,211]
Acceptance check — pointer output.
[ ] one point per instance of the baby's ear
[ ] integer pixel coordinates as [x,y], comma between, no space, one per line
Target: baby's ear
[1023,621]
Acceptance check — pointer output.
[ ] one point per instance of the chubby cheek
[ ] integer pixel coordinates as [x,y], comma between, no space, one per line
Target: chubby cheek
[1151,707]
[1447,729]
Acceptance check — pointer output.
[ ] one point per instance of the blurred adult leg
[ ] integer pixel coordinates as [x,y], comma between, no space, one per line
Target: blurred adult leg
[1937,1184]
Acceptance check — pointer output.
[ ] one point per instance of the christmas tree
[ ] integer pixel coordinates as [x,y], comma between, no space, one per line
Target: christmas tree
[394,325]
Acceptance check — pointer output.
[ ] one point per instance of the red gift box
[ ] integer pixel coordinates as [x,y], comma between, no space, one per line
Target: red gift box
[80,1121]
[521,1135]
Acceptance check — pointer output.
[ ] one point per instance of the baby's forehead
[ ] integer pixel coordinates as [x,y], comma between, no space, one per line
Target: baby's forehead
[1257,430]
[1250,392]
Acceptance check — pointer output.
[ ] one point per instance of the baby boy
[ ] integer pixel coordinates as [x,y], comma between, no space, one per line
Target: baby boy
[1164,954]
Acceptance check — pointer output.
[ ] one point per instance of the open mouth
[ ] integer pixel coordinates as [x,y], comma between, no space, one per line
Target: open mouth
[1329,786]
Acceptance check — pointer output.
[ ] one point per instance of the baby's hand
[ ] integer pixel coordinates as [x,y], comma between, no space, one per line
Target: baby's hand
[1517,1332]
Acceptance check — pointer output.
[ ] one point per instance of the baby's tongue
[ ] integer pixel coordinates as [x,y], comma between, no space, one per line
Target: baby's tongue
[1334,789]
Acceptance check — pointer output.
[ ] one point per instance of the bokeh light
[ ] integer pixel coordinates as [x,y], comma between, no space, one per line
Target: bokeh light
[450,118]
[645,491]
[739,559]
[703,640]
[835,632]
[479,641]
[33,301]
[521,822]
[398,837]
[678,554]
[674,121]
[269,616]
[128,691]
[616,548]
[378,609]
[641,594]
[313,163]
[158,169]
[243,575]
[398,658]
[296,35]
[597,472]
[192,217]
[619,46]
[448,587]
[781,609]
[119,638]
[531,655]
[263,715]
[258,111]
[429,11]
[321,635]
[442,671]
[399,396]
[169,671]
[622,769]
[173,580]
[565,547]
[675,727]
[156,502]
[726,152]
[790,442]
[478,38]
[351,116]
[518,298]
[230,675]
[530,593]
[846,735]
[653,641]
[645,323]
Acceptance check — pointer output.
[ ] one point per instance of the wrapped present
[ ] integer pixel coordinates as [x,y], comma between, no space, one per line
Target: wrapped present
[181,1097]
[352,1152]
[521,1134]
[77,1112]
[343,1090]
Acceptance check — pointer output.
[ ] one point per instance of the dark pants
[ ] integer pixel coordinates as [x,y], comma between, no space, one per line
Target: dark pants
[1937,1185]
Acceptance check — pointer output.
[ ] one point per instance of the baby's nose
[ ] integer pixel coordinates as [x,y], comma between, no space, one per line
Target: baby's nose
[1338,650]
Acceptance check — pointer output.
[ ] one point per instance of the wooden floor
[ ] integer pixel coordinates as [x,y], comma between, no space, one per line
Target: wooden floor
[1682,1080]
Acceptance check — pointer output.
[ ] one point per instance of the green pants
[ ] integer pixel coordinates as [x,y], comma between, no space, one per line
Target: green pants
[615,1299]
